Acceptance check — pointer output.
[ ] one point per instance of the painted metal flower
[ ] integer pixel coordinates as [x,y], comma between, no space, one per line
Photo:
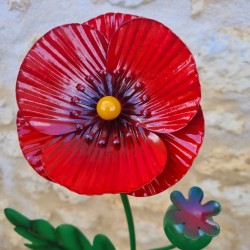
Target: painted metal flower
[110,106]
[188,224]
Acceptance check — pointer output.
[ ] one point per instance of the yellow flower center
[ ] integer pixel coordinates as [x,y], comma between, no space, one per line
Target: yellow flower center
[108,108]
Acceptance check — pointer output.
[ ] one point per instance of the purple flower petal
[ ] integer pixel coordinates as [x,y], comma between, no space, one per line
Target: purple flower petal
[195,195]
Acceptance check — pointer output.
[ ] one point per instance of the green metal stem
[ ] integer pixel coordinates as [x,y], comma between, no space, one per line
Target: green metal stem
[165,248]
[130,221]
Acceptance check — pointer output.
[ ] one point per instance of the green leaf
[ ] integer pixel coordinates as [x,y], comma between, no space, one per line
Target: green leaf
[71,238]
[44,229]
[102,242]
[16,218]
[43,236]
[35,247]
[30,236]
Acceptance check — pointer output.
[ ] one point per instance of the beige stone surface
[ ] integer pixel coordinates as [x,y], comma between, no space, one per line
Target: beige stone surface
[218,34]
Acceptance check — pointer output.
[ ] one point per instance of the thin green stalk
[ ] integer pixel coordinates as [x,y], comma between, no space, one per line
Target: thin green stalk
[130,221]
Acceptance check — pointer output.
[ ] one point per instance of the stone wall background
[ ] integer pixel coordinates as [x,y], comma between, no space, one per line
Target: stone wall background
[218,34]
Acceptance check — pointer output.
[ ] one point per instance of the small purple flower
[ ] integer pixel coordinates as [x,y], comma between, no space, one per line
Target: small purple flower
[193,214]
[188,224]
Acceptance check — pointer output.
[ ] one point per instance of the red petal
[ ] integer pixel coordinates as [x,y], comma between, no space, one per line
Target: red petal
[109,23]
[183,146]
[87,167]
[52,70]
[31,143]
[157,59]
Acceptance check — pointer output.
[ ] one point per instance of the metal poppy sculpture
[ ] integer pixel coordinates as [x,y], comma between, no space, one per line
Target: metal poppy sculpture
[110,106]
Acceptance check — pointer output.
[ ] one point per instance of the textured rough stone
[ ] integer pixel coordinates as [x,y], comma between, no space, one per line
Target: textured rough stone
[197,7]
[33,184]
[223,159]
[19,4]
[87,219]
[68,196]
[227,121]
[3,204]
[9,145]
[125,3]
[6,114]
[150,229]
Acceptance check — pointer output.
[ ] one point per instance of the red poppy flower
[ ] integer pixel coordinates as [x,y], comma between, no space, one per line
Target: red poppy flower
[110,106]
